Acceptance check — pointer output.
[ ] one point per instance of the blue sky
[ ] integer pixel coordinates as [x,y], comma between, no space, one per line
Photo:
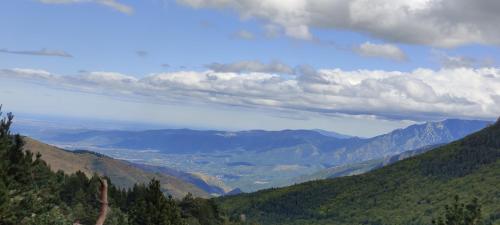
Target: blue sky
[85,43]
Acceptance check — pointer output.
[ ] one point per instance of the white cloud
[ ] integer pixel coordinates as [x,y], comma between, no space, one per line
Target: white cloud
[108,3]
[252,66]
[419,94]
[441,23]
[108,77]
[30,74]
[41,52]
[387,51]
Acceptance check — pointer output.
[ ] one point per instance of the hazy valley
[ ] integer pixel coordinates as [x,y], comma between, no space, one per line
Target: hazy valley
[254,160]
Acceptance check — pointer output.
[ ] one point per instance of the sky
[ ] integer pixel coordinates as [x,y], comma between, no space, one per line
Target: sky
[359,67]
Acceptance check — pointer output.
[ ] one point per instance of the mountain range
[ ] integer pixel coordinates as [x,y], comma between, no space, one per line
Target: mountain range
[185,141]
[255,159]
[411,191]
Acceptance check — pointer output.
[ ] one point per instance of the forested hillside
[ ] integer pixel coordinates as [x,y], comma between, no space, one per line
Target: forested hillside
[412,191]
[32,194]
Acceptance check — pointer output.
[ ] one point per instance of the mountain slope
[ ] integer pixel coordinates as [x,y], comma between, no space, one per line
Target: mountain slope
[207,183]
[414,137]
[122,173]
[361,167]
[411,191]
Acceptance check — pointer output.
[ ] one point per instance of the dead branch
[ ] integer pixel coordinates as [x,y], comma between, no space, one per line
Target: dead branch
[104,202]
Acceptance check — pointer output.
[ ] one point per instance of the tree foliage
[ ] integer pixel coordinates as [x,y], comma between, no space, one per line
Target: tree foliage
[460,214]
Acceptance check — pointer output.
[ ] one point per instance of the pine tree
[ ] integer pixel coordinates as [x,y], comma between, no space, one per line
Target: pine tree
[460,214]
[152,207]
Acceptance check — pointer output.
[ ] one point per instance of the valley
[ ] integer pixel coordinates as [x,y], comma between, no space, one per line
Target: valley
[254,160]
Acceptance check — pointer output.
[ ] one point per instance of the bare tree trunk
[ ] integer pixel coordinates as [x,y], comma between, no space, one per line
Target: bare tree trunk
[104,203]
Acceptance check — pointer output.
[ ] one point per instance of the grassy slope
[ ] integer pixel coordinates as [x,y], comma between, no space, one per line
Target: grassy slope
[121,173]
[412,191]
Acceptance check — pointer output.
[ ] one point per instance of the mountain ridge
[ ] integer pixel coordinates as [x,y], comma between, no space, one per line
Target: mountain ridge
[257,159]
[187,140]
[361,167]
[411,191]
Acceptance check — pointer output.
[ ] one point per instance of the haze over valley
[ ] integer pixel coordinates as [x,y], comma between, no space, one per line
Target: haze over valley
[251,160]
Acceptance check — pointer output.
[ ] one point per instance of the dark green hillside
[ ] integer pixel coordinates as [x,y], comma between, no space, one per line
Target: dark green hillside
[412,191]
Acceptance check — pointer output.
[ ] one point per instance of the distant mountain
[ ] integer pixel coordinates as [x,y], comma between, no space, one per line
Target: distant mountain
[256,159]
[416,136]
[411,191]
[123,174]
[195,141]
[184,141]
[235,191]
[333,134]
[361,167]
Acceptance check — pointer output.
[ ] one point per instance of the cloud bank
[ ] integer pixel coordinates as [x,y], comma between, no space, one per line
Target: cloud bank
[421,94]
[439,23]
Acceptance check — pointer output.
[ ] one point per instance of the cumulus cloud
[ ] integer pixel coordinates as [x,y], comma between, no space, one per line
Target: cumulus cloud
[107,77]
[419,94]
[441,23]
[251,66]
[108,3]
[387,51]
[244,34]
[41,52]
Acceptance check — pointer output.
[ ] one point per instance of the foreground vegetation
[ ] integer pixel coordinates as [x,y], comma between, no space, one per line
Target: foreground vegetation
[31,194]
[412,191]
